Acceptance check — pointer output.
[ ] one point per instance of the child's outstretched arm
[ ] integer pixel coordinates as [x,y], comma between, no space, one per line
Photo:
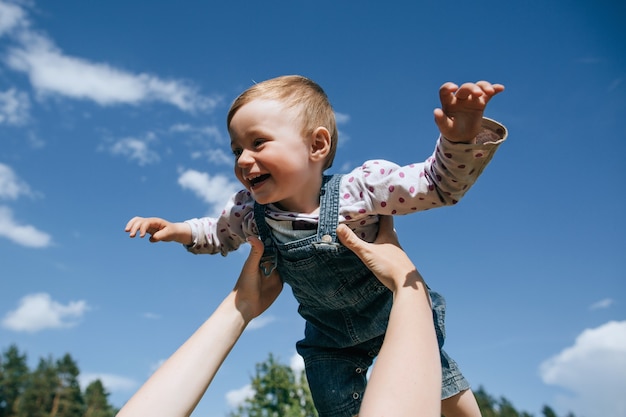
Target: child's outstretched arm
[406,380]
[160,230]
[177,386]
[460,116]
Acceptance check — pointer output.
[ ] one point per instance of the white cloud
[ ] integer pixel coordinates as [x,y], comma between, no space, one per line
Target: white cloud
[50,71]
[39,311]
[260,322]
[11,187]
[213,190]
[211,132]
[296,363]
[342,118]
[136,149]
[214,156]
[151,316]
[111,382]
[14,107]
[605,303]
[236,397]
[593,370]
[25,235]
[11,16]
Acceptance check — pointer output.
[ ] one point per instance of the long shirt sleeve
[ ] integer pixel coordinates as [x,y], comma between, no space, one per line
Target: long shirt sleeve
[377,187]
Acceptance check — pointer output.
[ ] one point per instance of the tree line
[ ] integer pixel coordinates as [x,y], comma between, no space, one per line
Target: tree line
[52,390]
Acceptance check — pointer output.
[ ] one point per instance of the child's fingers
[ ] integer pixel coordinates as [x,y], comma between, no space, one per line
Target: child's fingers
[443,122]
[131,226]
[467,91]
[490,89]
[447,93]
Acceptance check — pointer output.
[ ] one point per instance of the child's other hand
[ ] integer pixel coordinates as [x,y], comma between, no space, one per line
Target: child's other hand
[160,230]
[460,116]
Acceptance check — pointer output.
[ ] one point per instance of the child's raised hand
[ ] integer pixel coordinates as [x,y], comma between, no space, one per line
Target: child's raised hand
[460,116]
[160,230]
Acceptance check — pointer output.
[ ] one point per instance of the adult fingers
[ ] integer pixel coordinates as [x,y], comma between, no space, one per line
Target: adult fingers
[386,231]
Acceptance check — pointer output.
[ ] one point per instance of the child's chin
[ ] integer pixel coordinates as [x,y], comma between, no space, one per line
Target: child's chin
[261,200]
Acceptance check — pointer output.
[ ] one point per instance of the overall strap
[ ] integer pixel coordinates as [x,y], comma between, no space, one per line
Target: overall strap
[326,229]
[269,260]
[329,209]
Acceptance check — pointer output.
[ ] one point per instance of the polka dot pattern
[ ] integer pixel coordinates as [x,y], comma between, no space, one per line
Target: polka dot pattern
[376,187]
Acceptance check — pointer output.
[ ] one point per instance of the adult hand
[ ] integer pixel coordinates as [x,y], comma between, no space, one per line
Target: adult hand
[255,292]
[384,257]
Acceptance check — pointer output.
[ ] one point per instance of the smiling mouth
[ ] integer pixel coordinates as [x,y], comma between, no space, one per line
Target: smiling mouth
[257,180]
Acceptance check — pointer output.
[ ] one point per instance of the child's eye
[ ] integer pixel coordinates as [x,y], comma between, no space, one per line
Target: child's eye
[258,142]
[236,152]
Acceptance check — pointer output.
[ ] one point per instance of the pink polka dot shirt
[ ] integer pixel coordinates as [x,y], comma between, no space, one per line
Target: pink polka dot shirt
[376,187]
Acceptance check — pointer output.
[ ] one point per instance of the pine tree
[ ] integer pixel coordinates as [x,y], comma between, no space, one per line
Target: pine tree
[68,399]
[278,392]
[96,401]
[506,408]
[548,412]
[37,399]
[13,376]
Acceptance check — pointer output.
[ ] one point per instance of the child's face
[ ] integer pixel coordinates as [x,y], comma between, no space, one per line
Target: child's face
[273,157]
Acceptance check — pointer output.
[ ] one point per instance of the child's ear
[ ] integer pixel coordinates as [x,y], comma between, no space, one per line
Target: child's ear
[320,143]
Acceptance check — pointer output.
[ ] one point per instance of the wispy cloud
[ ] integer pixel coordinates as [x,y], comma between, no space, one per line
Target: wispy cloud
[22,234]
[14,107]
[11,186]
[11,17]
[593,371]
[51,72]
[210,132]
[296,363]
[214,190]
[151,316]
[260,322]
[110,381]
[39,311]
[236,397]
[602,304]
[136,149]
[342,118]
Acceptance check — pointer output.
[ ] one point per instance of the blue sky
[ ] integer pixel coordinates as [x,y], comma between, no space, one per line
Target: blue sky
[114,109]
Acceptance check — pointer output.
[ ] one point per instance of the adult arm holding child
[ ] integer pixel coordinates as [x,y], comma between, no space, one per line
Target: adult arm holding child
[178,385]
[406,379]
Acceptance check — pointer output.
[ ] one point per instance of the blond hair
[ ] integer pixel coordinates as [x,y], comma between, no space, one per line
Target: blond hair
[295,91]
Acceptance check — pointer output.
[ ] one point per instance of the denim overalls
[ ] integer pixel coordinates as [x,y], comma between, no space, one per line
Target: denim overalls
[346,309]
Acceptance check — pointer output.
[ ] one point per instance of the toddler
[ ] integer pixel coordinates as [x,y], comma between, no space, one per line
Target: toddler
[283,137]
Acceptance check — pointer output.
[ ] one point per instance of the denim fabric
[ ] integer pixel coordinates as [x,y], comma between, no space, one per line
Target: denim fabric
[345,307]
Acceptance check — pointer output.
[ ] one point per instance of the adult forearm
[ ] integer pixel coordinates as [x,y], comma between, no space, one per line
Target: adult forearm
[178,385]
[406,379]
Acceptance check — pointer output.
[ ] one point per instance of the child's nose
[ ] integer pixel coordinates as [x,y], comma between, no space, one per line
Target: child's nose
[245,158]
